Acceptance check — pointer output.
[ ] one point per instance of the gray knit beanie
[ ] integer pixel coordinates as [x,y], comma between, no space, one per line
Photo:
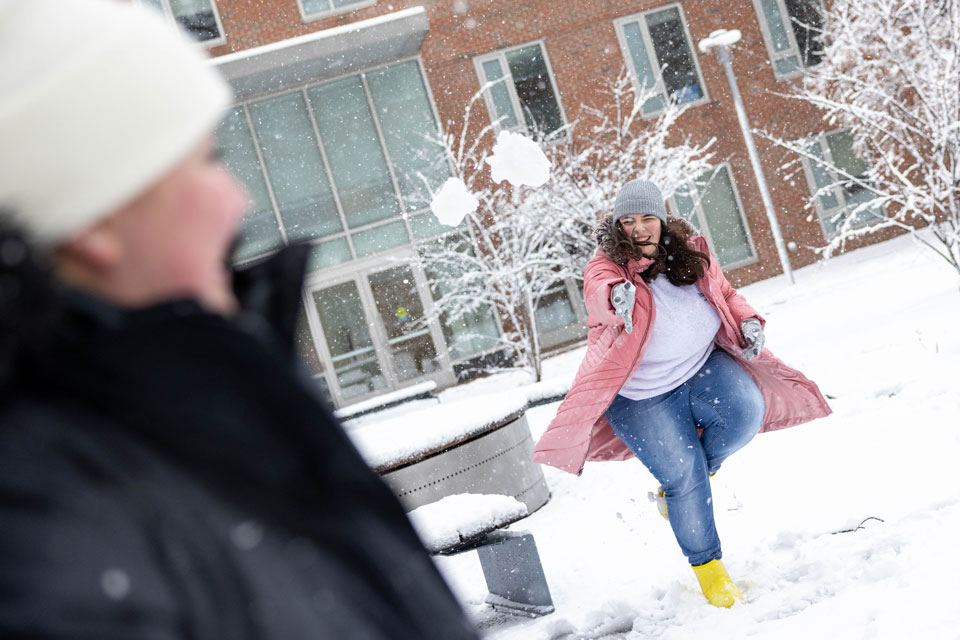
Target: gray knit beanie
[639,197]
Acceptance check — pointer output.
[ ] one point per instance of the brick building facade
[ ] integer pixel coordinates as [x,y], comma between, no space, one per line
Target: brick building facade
[333,94]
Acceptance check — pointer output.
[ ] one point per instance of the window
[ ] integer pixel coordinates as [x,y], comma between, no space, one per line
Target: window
[311,9]
[554,310]
[837,196]
[472,333]
[198,17]
[792,30]
[260,231]
[524,94]
[561,316]
[711,204]
[657,49]
[347,165]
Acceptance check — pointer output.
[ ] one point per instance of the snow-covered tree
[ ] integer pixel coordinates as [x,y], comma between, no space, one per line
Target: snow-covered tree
[521,241]
[890,76]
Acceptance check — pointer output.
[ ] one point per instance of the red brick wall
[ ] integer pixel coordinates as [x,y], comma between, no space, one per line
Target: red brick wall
[583,50]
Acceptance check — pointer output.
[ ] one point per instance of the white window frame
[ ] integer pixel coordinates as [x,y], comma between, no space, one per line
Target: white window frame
[702,225]
[209,44]
[793,50]
[333,11]
[522,125]
[836,190]
[659,86]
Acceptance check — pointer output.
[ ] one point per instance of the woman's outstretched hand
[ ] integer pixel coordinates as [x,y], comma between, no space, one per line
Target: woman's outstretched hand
[622,297]
[753,335]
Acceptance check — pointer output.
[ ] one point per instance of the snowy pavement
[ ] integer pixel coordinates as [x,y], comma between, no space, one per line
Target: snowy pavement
[842,528]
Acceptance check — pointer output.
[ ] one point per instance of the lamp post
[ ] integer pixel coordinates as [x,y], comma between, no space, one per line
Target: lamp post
[718,42]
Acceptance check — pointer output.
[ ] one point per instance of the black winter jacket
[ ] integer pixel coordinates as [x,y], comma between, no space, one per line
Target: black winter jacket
[167,473]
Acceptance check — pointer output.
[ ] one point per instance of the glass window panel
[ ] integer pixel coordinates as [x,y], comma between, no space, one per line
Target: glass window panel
[380,238]
[778,32]
[822,178]
[685,206]
[197,17]
[472,333]
[315,6]
[347,3]
[409,131]
[326,254]
[867,214]
[554,311]
[353,149]
[399,305]
[787,65]
[844,158]
[674,55]
[641,64]
[426,226]
[723,218]
[534,88]
[806,18]
[351,349]
[500,94]
[259,231]
[295,165]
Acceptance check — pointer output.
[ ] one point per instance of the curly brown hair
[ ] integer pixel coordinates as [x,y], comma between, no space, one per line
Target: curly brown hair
[681,264]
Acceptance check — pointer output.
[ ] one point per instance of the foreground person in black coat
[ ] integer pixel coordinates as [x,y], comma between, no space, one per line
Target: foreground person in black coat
[166,472]
[166,469]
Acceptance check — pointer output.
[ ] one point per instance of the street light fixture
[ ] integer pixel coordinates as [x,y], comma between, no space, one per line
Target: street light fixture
[718,42]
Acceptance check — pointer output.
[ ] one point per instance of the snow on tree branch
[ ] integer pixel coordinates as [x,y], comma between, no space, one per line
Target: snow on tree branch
[890,76]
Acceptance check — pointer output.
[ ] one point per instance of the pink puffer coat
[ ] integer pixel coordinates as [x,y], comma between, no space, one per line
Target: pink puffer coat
[580,431]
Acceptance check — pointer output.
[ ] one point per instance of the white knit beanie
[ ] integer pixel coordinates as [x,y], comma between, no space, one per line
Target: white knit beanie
[98,100]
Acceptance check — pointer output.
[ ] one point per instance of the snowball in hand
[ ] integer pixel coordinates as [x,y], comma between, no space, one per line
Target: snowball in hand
[453,202]
[518,159]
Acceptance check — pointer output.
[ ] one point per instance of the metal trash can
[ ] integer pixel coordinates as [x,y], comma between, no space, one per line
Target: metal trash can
[498,460]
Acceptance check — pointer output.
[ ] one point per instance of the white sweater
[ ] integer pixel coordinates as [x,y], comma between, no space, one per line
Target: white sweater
[680,341]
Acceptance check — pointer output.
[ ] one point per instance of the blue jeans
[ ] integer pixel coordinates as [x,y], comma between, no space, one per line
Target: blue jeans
[723,401]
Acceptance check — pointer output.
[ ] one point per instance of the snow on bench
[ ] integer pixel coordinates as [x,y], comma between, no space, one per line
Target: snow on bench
[459,520]
[509,560]
[546,391]
[410,437]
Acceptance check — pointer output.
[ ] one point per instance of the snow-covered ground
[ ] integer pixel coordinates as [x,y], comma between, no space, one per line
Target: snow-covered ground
[846,527]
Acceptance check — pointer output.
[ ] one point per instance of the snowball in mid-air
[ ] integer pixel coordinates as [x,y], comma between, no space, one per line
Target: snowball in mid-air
[453,202]
[518,159]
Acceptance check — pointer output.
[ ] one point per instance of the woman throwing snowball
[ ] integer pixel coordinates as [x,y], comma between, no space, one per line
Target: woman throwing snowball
[675,373]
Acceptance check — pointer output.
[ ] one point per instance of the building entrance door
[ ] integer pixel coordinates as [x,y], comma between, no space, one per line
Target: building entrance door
[399,307]
[374,342]
[351,348]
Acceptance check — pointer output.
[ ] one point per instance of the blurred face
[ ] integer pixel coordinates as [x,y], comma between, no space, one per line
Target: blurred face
[172,241]
[642,229]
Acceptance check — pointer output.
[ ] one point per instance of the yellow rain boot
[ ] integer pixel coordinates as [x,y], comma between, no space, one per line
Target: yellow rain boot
[716,584]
